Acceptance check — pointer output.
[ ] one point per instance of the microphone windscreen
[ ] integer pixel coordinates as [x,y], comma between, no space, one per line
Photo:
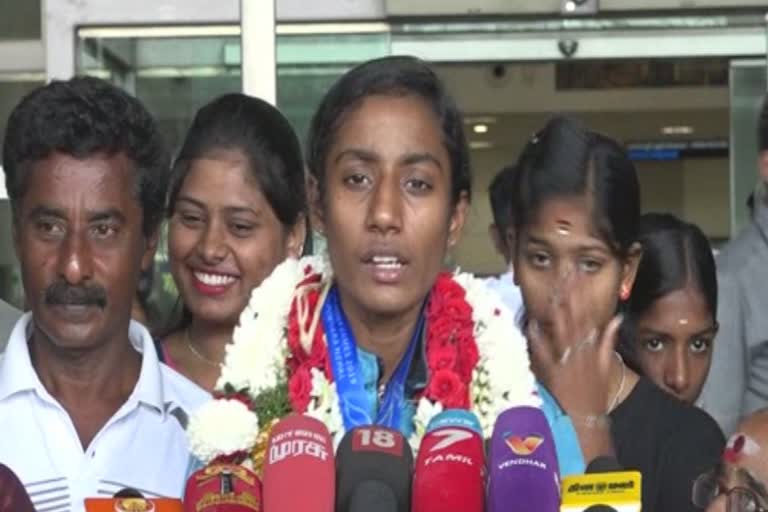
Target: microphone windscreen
[373,453]
[299,452]
[13,495]
[127,492]
[460,418]
[524,474]
[223,488]
[604,464]
[450,468]
[373,496]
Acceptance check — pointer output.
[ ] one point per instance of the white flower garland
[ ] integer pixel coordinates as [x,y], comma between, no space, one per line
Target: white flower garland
[255,361]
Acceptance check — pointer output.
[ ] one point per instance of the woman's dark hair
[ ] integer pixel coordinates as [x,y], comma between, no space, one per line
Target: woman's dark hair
[676,254]
[263,135]
[82,117]
[565,159]
[389,76]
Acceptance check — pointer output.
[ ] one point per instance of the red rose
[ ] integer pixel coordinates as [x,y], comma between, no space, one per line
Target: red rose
[442,357]
[440,331]
[299,387]
[445,387]
[468,355]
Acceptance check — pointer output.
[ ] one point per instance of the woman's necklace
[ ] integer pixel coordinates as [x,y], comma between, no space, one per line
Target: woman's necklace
[619,391]
[194,350]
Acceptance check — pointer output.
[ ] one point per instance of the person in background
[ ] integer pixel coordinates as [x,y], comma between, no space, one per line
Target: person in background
[86,407]
[236,209]
[8,317]
[670,325]
[739,483]
[738,380]
[500,196]
[576,214]
[142,311]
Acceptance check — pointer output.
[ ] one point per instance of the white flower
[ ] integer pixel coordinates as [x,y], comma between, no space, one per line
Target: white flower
[425,411]
[325,403]
[222,427]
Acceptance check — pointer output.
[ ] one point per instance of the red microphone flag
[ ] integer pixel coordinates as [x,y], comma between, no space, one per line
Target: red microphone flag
[450,472]
[299,467]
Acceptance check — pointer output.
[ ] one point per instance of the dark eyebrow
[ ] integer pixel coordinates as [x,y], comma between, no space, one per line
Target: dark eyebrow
[709,330]
[45,211]
[108,214]
[365,155]
[229,209]
[417,158]
[652,332]
[188,199]
[581,247]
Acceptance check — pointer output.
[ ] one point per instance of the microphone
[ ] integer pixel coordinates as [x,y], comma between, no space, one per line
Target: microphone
[606,487]
[128,492]
[299,469]
[222,488]
[133,503]
[373,471]
[524,474]
[450,467]
[13,495]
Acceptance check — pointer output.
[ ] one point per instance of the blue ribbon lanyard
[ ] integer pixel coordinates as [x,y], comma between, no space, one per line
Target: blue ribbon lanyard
[354,401]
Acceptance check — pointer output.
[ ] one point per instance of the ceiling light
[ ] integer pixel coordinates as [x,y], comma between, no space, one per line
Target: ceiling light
[677,130]
[480,144]
[480,128]
[570,6]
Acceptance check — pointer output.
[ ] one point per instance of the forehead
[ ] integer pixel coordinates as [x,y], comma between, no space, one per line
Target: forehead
[387,122]
[684,309]
[63,181]
[563,221]
[223,179]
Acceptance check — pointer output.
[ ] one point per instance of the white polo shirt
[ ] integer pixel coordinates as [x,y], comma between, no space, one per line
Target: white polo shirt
[143,446]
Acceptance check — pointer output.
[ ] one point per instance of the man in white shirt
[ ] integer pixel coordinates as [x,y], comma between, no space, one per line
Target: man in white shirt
[501,232]
[85,407]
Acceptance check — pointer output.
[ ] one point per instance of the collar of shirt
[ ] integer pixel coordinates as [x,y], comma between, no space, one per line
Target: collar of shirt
[18,375]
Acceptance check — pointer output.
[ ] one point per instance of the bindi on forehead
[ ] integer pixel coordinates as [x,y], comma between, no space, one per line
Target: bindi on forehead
[563,227]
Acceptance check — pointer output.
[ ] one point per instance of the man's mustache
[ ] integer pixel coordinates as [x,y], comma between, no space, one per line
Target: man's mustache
[61,293]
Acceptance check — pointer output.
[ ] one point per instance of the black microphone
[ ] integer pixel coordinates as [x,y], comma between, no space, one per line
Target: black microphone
[374,467]
[373,496]
[127,492]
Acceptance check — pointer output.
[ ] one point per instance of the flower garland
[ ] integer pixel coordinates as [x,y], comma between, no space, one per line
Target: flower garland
[278,362]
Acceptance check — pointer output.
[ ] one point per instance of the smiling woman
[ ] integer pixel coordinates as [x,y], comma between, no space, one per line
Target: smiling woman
[236,210]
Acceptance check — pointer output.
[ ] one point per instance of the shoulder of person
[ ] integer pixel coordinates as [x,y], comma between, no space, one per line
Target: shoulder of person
[746,249]
[679,419]
[182,391]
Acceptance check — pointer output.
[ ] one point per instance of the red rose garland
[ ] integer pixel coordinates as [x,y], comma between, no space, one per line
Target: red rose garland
[451,349]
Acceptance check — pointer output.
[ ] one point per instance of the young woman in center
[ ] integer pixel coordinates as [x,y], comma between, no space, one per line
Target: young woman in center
[576,214]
